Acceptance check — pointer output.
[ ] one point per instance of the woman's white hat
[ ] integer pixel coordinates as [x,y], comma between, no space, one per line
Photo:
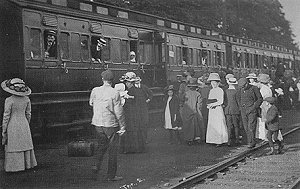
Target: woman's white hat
[213,77]
[129,76]
[16,86]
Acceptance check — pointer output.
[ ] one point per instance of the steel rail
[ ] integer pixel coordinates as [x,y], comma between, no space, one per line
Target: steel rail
[202,175]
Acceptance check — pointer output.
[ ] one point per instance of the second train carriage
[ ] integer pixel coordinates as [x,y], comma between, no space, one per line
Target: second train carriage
[61,82]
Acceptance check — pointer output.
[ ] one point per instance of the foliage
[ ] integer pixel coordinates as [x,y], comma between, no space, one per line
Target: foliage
[261,20]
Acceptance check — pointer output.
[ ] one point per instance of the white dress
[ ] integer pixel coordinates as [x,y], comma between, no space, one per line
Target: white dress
[168,123]
[261,131]
[216,126]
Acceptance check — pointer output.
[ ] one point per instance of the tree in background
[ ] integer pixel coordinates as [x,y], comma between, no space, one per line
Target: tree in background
[261,20]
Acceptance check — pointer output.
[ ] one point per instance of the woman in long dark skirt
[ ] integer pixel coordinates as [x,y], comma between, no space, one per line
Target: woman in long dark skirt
[133,140]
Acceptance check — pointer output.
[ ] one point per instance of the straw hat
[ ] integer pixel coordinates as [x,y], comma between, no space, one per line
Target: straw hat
[213,77]
[229,76]
[16,86]
[263,78]
[129,76]
[251,76]
[232,81]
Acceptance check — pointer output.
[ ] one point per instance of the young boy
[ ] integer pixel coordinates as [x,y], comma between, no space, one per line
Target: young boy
[272,125]
[232,112]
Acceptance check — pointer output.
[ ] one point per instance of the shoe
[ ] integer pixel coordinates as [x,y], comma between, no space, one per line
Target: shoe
[116,178]
[272,152]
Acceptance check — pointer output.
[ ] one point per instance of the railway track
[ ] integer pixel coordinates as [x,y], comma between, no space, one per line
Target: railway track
[252,169]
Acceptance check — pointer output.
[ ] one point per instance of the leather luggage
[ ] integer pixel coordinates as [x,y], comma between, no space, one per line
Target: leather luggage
[81,148]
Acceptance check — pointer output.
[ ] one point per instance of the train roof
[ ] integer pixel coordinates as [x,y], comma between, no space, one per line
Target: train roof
[123,14]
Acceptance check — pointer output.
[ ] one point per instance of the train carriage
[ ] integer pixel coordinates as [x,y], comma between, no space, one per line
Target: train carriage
[62,74]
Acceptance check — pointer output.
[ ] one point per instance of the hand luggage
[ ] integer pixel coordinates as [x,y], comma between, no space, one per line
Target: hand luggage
[80,148]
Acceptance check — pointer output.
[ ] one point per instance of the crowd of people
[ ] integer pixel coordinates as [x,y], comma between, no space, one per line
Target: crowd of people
[209,110]
[214,110]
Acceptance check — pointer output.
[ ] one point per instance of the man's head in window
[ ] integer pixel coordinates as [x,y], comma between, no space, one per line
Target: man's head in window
[50,43]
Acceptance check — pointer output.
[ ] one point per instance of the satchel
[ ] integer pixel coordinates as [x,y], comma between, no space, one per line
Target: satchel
[81,148]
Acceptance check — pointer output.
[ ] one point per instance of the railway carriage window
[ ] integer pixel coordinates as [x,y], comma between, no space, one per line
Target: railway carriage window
[64,45]
[185,58]
[116,50]
[218,59]
[205,57]
[34,48]
[247,60]
[50,44]
[75,47]
[148,53]
[141,52]
[133,46]
[84,43]
[171,50]
[223,59]
[256,61]
[190,57]
[124,50]
[178,56]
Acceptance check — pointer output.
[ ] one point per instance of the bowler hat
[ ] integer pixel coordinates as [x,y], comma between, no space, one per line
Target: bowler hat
[16,86]
[107,75]
[242,82]
[270,99]
[213,77]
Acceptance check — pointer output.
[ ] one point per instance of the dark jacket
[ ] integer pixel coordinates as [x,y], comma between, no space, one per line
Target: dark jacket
[174,110]
[232,106]
[272,122]
[249,99]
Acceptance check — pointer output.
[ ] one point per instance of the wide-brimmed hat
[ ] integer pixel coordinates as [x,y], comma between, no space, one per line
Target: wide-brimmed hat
[263,78]
[132,53]
[213,77]
[193,82]
[251,76]
[129,76]
[16,86]
[242,82]
[232,81]
[138,79]
[229,76]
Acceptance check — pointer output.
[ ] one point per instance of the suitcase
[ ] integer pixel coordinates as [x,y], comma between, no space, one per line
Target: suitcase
[81,148]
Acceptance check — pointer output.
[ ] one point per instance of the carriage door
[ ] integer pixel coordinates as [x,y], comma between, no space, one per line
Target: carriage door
[146,57]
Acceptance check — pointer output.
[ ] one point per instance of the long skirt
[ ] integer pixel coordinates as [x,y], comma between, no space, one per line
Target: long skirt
[132,142]
[19,161]
[216,127]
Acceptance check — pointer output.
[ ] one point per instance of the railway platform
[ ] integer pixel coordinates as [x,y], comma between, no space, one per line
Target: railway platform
[160,167]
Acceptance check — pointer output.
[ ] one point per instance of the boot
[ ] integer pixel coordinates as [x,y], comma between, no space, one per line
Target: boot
[272,151]
[280,146]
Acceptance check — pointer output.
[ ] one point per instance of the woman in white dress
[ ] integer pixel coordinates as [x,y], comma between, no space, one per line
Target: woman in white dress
[265,92]
[216,127]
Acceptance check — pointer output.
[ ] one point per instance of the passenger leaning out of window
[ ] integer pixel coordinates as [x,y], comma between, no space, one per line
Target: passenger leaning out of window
[50,44]
[97,50]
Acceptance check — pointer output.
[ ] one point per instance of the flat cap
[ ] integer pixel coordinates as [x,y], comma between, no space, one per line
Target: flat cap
[271,100]
[107,75]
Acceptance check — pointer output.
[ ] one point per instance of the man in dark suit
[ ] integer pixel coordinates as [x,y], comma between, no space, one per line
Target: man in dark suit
[249,99]
[50,44]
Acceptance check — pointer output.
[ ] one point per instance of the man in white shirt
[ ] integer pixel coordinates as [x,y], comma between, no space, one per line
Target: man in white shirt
[109,121]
